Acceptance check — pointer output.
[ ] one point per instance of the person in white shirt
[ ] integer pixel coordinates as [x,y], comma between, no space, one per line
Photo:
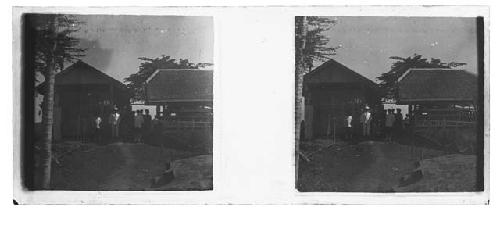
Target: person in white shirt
[365,121]
[348,126]
[97,129]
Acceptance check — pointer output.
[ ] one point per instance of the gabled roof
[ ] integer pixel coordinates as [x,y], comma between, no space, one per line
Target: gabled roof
[335,72]
[81,73]
[179,85]
[422,85]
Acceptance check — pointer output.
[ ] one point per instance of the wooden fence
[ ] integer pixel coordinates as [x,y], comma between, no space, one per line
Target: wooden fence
[424,123]
[442,132]
[193,124]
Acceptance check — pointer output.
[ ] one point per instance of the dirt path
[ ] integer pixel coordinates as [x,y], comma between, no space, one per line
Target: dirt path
[122,179]
[390,162]
[375,177]
[333,169]
[369,166]
[128,166]
[140,163]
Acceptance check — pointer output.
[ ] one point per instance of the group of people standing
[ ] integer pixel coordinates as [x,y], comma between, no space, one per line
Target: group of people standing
[122,125]
[142,125]
[393,123]
[388,123]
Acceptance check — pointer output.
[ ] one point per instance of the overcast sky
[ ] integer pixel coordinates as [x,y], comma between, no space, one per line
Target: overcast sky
[115,42]
[368,42]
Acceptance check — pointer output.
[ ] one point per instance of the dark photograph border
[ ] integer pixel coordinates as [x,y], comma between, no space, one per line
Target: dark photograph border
[168,150]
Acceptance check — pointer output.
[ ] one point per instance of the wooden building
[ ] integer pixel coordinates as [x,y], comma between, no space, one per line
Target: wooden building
[181,95]
[436,96]
[330,92]
[81,93]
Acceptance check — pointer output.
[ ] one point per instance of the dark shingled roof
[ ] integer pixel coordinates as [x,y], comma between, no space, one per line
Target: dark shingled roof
[422,85]
[81,73]
[179,85]
[335,72]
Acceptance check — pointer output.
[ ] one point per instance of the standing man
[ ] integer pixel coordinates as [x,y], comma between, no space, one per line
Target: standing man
[389,124]
[406,122]
[138,122]
[97,129]
[114,121]
[348,127]
[128,125]
[147,123]
[398,123]
[383,115]
[366,121]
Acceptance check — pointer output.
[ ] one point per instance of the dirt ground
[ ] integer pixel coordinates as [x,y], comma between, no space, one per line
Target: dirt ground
[117,166]
[368,166]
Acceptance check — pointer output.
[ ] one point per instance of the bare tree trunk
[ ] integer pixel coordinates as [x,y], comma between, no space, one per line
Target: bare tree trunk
[48,115]
[302,28]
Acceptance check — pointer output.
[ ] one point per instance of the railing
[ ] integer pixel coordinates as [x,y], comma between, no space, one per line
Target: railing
[442,132]
[452,115]
[193,124]
[424,123]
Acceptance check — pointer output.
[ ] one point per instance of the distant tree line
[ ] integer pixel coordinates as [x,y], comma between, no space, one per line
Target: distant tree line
[136,82]
[389,79]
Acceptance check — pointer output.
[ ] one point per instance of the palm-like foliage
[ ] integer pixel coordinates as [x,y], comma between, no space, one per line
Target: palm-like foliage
[55,40]
[53,46]
[398,68]
[310,46]
[310,41]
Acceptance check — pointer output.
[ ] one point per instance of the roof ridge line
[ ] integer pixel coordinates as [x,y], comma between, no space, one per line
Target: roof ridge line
[185,69]
[431,69]
[103,73]
[423,69]
[333,61]
[106,76]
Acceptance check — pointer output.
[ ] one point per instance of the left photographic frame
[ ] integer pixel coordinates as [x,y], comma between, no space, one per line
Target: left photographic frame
[116,102]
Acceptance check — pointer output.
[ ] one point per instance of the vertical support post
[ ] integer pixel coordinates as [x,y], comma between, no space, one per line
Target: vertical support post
[299,68]
[334,136]
[328,128]
[48,116]
[111,96]
[158,111]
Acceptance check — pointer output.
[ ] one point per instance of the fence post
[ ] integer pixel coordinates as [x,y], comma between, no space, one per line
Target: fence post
[333,130]
[328,127]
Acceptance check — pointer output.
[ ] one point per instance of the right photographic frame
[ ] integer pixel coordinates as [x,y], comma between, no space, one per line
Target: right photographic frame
[389,104]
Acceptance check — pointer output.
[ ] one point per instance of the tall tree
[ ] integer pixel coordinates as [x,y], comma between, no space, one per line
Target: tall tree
[310,47]
[300,42]
[54,46]
[398,68]
[137,81]
[311,44]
